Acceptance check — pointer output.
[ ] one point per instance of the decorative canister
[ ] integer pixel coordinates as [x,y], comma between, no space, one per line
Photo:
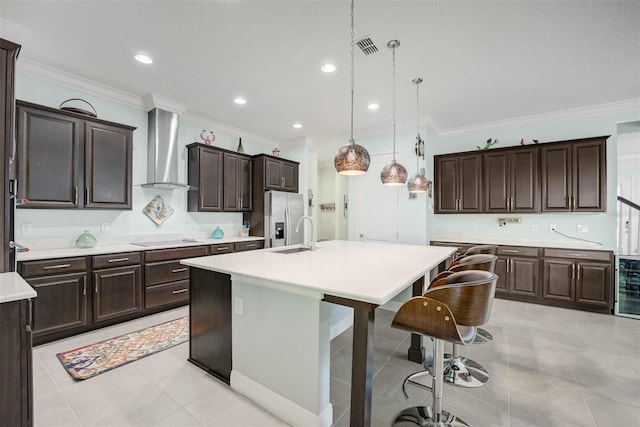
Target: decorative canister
[276,152]
[86,240]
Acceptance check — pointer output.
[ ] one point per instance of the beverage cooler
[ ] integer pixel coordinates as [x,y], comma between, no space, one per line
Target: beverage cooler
[628,286]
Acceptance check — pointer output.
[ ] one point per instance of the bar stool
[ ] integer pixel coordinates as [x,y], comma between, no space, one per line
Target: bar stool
[447,313]
[483,336]
[459,370]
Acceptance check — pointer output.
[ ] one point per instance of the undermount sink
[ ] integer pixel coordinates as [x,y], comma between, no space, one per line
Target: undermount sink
[292,250]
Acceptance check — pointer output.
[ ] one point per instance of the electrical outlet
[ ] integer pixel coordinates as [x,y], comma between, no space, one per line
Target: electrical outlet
[26,229]
[553,227]
[583,228]
[239,306]
[534,227]
[104,226]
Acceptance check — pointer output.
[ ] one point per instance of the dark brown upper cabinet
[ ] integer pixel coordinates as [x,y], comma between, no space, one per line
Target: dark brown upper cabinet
[237,182]
[69,161]
[205,178]
[511,181]
[220,180]
[458,182]
[574,175]
[275,173]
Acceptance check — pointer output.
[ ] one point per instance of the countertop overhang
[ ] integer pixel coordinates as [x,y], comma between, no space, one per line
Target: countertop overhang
[363,271]
[13,288]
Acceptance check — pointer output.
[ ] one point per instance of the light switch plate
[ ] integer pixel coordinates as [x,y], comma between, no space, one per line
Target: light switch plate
[583,228]
[239,306]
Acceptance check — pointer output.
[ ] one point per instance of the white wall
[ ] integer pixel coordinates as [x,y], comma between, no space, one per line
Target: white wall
[59,228]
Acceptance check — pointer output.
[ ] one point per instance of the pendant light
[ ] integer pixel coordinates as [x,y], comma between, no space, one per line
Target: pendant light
[352,159]
[394,173]
[418,183]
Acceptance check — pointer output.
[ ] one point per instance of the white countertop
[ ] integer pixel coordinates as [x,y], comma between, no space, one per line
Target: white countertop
[568,244]
[125,247]
[14,288]
[363,271]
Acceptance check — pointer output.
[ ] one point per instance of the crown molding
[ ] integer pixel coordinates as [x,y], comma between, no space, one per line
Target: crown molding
[53,75]
[574,113]
[145,103]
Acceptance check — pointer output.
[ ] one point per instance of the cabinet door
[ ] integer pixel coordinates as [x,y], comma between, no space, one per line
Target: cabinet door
[558,280]
[272,174]
[61,303]
[496,181]
[209,172]
[523,188]
[555,164]
[502,285]
[589,178]
[289,176]
[593,283]
[470,183]
[524,276]
[108,164]
[49,158]
[446,183]
[231,172]
[245,183]
[117,292]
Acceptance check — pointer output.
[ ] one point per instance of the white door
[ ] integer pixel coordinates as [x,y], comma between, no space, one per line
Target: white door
[376,204]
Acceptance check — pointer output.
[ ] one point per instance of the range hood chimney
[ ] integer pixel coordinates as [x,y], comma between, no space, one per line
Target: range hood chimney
[162,150]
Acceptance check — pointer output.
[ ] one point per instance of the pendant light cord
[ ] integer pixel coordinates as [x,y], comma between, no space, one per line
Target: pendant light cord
[352,69]
[393,53]
[418,125]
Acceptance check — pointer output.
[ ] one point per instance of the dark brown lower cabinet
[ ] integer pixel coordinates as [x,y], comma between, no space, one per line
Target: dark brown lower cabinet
[210,322]
[577,283]
[16,364]
[518,270]
[117,292]
[61,304]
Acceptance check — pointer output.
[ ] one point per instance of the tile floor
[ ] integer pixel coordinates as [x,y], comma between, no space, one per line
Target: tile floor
[549,366]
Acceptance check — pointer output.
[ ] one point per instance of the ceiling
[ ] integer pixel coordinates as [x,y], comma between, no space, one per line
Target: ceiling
[481,61]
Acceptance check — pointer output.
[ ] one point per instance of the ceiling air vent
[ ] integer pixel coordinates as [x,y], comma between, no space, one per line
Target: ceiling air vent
[367,46]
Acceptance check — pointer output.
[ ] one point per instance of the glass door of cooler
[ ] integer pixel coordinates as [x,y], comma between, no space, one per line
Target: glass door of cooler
[628,286]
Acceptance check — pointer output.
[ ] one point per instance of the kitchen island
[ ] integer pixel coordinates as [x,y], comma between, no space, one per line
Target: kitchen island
[277,334]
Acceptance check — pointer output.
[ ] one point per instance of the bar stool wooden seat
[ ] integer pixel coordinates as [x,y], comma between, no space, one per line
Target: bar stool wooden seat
[449,312]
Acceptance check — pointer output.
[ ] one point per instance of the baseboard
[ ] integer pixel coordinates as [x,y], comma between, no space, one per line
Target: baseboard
[278,405]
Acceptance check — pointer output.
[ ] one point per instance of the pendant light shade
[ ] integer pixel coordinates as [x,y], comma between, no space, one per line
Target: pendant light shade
[418,183]
[394,173]
[352,159]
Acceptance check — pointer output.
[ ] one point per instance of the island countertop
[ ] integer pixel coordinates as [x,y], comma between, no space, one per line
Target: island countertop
[362,271]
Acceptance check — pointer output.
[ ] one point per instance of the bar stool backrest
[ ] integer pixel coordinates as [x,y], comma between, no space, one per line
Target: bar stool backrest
[484,262]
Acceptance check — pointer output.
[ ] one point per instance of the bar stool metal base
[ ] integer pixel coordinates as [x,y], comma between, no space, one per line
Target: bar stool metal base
[423,416]
[460,371]
[482,336]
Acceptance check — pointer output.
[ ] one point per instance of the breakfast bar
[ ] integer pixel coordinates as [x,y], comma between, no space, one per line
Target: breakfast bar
[278,312]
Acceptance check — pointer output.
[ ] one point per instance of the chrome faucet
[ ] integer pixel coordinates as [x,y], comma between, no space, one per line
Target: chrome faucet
[312,243]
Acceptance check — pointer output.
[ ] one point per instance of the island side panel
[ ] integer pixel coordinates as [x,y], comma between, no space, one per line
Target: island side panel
[210,346]
[281,341]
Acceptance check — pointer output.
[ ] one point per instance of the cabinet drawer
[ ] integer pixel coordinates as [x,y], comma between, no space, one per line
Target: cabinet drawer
[175,253]
[116,260]
[518,251]
[221,248]
[578,254]
[248,246]
[53,266]
[163,272]
[155,296]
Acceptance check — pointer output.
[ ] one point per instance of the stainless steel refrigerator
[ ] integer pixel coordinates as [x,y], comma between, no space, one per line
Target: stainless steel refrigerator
[282,211]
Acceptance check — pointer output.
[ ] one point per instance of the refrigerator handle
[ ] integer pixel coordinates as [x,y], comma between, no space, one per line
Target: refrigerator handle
[287,227]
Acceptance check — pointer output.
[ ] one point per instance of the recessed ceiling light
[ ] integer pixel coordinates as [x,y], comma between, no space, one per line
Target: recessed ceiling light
[297,125]
[328,68]
[373,106]
[240,100]
[141,57]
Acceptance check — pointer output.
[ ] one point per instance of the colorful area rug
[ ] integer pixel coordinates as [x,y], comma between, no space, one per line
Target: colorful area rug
[95,359]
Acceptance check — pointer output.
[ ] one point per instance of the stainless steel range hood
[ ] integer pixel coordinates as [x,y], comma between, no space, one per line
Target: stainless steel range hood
[162,154]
